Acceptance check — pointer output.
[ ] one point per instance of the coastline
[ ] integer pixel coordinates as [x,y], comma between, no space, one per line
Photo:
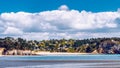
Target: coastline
[51,53]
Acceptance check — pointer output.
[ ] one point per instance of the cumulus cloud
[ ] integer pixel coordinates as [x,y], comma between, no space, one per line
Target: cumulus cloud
[12,31]
[66,35]
[63,7]
[61,23]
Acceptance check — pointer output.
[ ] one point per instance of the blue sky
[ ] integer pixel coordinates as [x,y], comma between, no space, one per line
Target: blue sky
[57,19]
[43,5]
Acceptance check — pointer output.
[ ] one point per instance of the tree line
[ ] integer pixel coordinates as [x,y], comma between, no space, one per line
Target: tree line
[102,45]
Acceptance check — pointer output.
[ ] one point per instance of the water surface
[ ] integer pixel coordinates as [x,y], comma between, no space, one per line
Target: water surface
[61,61]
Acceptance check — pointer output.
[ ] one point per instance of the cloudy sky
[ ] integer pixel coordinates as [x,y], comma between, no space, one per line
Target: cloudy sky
[56,19]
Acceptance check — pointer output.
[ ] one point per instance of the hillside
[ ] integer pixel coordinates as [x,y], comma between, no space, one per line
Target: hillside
[98,45]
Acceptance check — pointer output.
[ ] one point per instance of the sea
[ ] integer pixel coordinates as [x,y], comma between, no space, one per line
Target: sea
[61,61]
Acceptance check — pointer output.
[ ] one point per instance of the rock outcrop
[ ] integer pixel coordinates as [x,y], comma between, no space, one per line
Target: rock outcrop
[2,51]
[109,47]
[95,52]
[19,52]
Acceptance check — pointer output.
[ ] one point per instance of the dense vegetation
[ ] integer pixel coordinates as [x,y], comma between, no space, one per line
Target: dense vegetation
[101,45]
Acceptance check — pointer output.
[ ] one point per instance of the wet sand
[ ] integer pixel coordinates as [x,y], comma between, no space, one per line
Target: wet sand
[60,64]
[76,61]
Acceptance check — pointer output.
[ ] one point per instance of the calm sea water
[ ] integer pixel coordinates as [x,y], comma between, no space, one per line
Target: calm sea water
[61,61]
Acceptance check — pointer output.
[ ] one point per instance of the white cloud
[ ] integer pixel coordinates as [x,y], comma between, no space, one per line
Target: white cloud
[61,23]
[12,31]
[63,7]
[78,35]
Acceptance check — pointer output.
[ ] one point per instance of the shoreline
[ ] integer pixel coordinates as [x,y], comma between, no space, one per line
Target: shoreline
[59,53]
[52,53]
[42,53]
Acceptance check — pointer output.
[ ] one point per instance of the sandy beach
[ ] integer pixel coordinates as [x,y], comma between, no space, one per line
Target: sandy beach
[59,53]
[52,53]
